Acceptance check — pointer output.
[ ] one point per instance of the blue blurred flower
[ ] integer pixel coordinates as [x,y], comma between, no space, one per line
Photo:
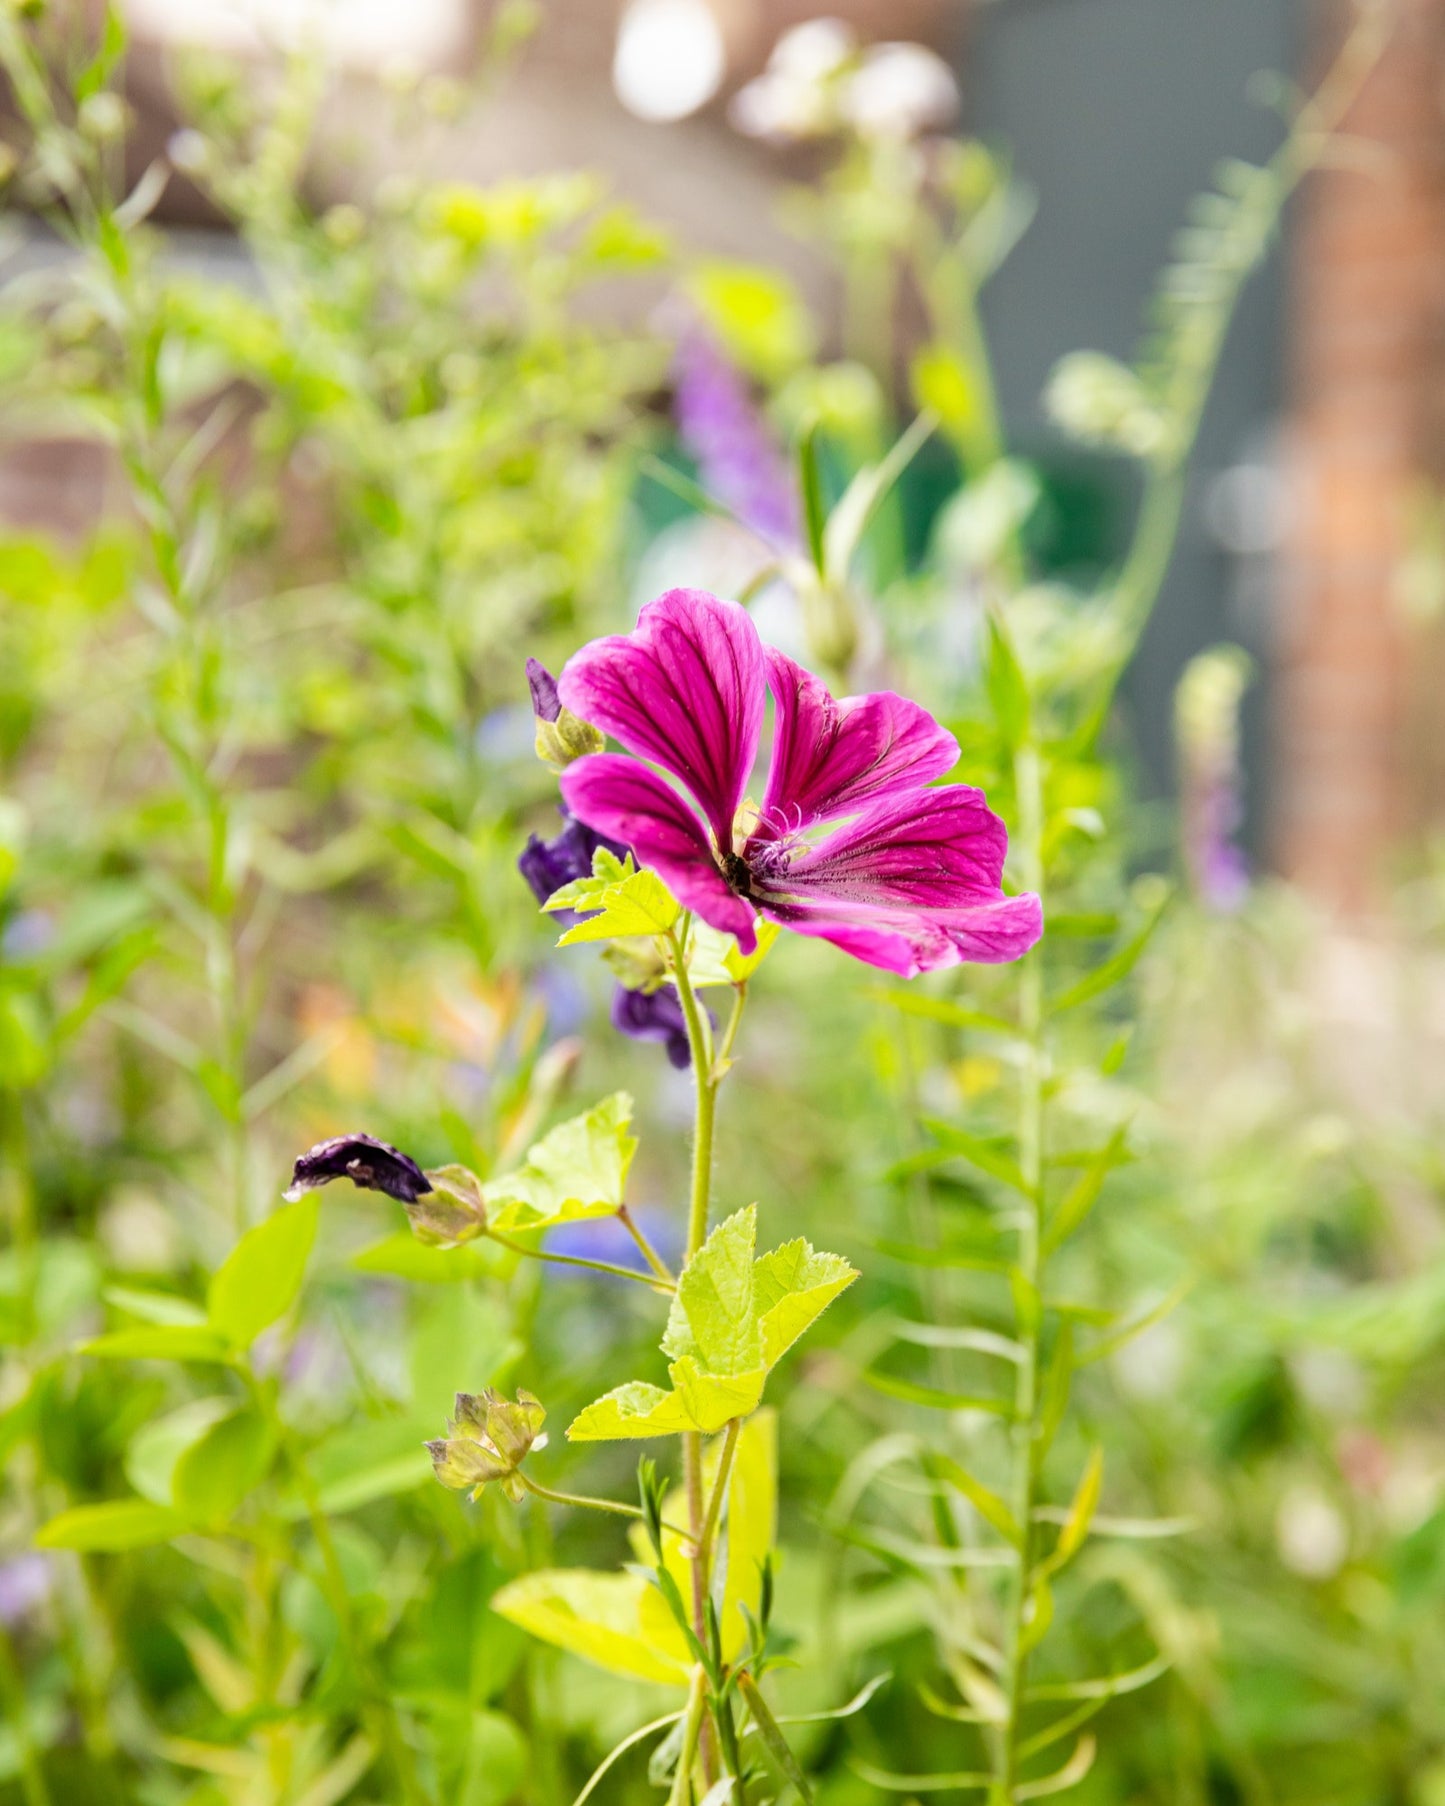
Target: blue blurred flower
[724,433]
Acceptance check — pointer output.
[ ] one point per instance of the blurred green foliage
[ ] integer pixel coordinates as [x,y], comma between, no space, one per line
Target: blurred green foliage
[265,767]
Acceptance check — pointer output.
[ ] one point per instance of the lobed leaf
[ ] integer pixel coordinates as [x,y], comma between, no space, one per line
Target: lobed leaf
[578,1170]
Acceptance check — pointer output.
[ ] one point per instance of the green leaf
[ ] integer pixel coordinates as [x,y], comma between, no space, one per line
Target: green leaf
[1117,967]
[945,1010]
[989,1506]
[260,1278]
[864,496]
[117,1524]
[376,1458]
[892,1386]
[161,1342]
[637,904]
[1083,1194]
[615,1621]
[987,1156]
[154,1307]
[154,1450]
[578,1170]
[732,1318]
[215,1474]
[793,1286]
[714,1316]
[1081,1511]
[771,1733]
[1008,690]
[1058,1378]
[810,482]
[402,1256]
[714,958]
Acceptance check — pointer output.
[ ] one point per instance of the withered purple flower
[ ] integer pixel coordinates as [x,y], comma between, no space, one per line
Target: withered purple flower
[653,1016]
[368,1163]
[549,864]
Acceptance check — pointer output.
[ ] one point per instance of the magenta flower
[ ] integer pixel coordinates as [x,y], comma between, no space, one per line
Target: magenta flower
[849,844]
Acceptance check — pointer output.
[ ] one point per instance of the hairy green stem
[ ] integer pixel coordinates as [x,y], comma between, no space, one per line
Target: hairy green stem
[645,1247]
[706,1079]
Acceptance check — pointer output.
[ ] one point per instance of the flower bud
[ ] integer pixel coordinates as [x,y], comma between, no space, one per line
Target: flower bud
[487,1439]
[561,736]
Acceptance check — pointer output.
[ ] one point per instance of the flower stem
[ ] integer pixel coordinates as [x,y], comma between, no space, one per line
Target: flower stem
[680,1793]
[1028,844]
[706,1079]
[719,1489]
[576,1498]
[659,1282]
[645,1247]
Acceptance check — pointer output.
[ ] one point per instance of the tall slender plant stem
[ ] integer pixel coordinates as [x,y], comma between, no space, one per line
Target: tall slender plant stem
[1028,848]
[708,1074]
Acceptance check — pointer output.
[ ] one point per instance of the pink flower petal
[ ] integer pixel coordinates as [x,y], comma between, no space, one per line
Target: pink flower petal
[831,758]
[686,690]
[622,799]
[910,942]
[911,885]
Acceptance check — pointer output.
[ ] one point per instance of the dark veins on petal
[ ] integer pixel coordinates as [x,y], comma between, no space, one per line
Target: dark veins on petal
[371,1164]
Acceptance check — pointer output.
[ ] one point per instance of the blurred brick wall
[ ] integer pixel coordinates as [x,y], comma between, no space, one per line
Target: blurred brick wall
[1360,725]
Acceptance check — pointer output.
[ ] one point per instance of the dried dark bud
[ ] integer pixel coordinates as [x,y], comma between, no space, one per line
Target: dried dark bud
[366,1162]
[546,704]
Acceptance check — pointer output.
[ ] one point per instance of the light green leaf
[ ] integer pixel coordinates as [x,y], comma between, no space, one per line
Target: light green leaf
[117,1524]
[714,1399]
[732,1318]
[260,1278]
[578,1170]
[604,1618]
[638,904]
[150,1460]
[154,1307]
[403,1257]
[215,1473]
[714,958]
[989,1506]
[793,1286]
[376,1458]
[714,1316]
[1081,1511]
[1083,1194]
[161,1342]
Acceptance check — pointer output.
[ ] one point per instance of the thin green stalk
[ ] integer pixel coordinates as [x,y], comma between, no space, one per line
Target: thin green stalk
[652,1280]
[585,1500]
[680,1793]
[645,1247]
[719,1490]
[1028,846]
[706,1079]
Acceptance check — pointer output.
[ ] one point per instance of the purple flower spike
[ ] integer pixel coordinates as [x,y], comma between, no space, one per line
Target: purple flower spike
[368,1163]
[549,864]
[653,1016]
[542,684]
[735,454]
[850,845]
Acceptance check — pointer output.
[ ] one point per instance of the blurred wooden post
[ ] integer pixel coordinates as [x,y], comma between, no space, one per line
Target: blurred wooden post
[1360,727]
